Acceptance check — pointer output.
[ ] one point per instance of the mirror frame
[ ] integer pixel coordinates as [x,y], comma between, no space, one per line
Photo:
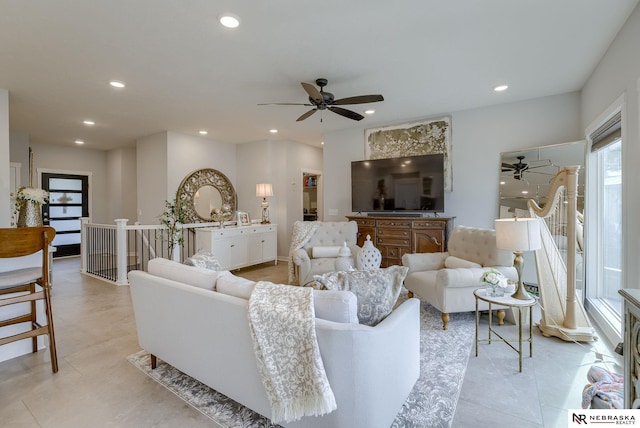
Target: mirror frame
[196,180]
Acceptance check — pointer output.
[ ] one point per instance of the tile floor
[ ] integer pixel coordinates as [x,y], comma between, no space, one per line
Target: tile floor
[97,387]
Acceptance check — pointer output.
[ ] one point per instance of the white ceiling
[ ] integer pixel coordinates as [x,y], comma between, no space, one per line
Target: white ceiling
[185,72]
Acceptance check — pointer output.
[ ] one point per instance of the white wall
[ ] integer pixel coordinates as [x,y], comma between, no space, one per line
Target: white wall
[151,176]
[618,74]
[279,163]
[478,138]
[122,189]
[186,153]
[5,182]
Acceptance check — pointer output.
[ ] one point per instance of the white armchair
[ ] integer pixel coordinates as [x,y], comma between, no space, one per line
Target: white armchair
[447,280]
[319,253]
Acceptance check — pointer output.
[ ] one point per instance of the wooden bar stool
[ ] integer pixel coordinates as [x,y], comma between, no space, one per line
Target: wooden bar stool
[32,284]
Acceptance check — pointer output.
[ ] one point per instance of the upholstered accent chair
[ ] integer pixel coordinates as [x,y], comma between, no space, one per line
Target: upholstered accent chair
[447,280]
[319,253]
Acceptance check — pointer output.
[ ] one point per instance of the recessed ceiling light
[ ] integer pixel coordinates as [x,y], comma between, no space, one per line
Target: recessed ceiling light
[79,142]
[273,131]
[501,88]
[502,182]
[203,132]
[88,122]
[322,143]
[370,111]
[117,84]
[229,20]
[525,192]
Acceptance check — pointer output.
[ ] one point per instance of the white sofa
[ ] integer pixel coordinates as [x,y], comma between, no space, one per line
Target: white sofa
[447,280]
[205,334]
[318,255]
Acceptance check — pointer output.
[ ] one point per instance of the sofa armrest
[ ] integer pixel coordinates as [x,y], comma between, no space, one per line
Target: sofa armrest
[301,257]
[424,261]
[383,361]
[470,277]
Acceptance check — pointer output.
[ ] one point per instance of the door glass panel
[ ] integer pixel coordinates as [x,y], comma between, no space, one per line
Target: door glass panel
[65,184]
[66,239]
[65,198]
[65,225]
[65,212]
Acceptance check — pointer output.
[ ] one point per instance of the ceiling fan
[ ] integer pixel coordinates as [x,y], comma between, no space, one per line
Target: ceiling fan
[321,100]
[520,167]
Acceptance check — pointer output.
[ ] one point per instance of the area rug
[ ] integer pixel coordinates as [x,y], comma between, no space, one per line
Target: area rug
[432,403]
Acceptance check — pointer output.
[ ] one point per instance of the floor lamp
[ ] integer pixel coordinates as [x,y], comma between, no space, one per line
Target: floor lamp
[262,191]
[518,235]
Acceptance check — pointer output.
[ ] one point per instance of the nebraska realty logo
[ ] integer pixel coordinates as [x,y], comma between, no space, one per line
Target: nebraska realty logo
[582,417]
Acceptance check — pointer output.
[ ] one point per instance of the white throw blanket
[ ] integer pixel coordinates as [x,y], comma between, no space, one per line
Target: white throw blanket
[301,232]
[282,323]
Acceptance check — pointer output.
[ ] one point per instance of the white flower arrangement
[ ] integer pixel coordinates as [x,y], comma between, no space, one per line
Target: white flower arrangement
[494,278]
[35,195]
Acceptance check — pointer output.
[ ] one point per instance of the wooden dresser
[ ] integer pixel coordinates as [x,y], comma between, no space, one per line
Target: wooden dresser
[396,236]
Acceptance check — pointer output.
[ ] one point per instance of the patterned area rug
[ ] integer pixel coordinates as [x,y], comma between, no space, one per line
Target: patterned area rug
[432,403]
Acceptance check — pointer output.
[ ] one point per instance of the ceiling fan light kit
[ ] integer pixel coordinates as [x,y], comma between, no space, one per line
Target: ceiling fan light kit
[321,100]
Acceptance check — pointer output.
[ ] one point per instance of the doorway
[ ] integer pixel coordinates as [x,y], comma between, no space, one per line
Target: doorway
[68,201]
[311,195]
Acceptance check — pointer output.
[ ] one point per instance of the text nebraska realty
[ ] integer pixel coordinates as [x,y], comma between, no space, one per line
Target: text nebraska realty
[611,419]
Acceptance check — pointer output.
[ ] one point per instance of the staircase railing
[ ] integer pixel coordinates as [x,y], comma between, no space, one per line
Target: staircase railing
[110,251]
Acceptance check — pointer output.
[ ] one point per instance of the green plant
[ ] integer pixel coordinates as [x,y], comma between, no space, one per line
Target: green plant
[173,218]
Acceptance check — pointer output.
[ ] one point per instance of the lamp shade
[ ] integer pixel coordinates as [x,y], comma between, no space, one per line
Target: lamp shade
[264,189]
[518,234]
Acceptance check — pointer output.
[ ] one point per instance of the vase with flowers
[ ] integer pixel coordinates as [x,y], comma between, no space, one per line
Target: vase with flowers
[28,206]
[496,283]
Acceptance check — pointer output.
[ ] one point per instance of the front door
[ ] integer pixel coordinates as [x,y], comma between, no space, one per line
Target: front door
[68,201]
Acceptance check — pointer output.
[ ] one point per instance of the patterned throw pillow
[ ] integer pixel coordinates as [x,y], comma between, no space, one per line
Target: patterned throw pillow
[377,290]
[204,259]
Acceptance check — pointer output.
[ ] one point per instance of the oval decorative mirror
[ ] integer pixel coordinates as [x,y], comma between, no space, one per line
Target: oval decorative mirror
[205,191]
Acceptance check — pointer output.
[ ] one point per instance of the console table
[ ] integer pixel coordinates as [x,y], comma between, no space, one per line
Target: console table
[236,247]
[396,236]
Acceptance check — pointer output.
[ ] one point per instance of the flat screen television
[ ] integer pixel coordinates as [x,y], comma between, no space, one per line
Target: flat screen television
[404,184]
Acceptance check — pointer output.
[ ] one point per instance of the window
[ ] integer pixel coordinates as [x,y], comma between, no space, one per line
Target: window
[604,258]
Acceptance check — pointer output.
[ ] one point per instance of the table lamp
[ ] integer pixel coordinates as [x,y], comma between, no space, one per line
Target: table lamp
[262,191]
[518,235]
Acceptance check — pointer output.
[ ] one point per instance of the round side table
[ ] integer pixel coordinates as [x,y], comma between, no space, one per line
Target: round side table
[506,300]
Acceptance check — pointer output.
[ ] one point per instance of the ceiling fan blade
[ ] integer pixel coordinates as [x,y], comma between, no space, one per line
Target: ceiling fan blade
[306,115]
[313,92]
[346,113]
[284,104]
[361,99]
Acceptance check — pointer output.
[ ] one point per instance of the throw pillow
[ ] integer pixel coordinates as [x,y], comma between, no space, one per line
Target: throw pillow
[452,262]
[324,252]
[233,285]
[191,275]
[204,259]
[377,290]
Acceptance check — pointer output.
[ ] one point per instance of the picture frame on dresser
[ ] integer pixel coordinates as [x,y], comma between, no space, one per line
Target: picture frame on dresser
[243,218]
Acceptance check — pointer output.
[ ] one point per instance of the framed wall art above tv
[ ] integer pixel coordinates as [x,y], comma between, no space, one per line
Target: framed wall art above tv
[424,137]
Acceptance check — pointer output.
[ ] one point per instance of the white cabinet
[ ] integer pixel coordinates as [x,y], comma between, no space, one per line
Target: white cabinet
[236,247]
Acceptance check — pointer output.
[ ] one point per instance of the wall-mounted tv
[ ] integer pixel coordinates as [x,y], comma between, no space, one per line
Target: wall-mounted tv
[403,184]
